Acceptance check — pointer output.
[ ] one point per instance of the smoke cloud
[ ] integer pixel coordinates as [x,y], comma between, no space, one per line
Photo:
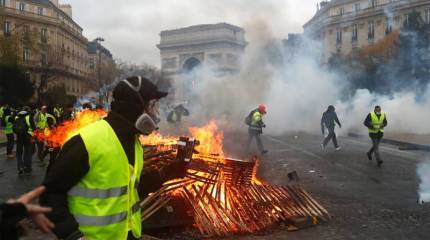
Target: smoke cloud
[297,92]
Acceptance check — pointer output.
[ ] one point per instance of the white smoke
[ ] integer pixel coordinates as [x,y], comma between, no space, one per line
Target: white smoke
[423,172]
[297,93]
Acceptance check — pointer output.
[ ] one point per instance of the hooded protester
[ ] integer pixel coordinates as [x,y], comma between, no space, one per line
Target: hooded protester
[95,184]
[329,120]
[23,128]
[375,122]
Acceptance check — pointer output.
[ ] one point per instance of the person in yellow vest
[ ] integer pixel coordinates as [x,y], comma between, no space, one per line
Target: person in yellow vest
[95,184]
[41,121]
[375,122]
[23,129]
[255,127]
[9,119]
[51,122]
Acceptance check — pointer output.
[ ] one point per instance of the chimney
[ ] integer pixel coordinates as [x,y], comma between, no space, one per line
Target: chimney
[67,8]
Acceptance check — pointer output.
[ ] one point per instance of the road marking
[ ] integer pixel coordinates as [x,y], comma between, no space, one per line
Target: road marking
[390,150]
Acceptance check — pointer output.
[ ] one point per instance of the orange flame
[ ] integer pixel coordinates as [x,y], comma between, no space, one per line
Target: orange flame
[211,139]
[57,136]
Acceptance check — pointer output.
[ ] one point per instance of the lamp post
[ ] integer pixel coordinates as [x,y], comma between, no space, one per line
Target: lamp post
[98,49]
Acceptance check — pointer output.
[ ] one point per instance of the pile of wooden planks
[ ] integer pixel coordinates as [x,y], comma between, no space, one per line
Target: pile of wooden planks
[224,198]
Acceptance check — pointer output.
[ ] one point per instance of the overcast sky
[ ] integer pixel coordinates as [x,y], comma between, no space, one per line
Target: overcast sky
[131,28]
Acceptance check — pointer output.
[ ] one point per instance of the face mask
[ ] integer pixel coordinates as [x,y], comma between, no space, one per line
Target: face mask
[145,124]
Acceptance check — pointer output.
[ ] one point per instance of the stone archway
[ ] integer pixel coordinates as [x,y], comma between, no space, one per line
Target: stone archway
[191,64]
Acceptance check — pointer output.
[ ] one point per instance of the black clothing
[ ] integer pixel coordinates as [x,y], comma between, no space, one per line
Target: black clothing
[71,166]
[329,118]
[24,153]
[25,147]
[10,215]
[368,124]
[331,136]
[10,143]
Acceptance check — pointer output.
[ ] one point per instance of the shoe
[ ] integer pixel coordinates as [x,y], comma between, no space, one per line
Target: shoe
[322,146]
[369,156]
[264,152]
[20,172]
[338,148]
[380,162]
[10,156]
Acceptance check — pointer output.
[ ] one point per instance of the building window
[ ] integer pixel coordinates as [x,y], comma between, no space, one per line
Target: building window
[339,36]
[92,63]
[21,6]
[389,28]
[44,35]
[371,34]
[26,55]
[3,3]
[354,33]
[373,3]
[428,16]
[44,59]
[406,20]
[7,28]
[40,11]
[341,11]
[357,7]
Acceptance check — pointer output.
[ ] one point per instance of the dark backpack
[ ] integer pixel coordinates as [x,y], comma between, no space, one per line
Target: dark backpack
[248,119]
[20,126]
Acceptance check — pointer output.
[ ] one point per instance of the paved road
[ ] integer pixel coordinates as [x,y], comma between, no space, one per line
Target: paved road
[366,202]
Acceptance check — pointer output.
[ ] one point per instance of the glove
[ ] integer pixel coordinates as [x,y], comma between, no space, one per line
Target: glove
[176,169]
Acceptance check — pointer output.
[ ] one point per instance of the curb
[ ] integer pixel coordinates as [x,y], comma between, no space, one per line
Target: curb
[401,144]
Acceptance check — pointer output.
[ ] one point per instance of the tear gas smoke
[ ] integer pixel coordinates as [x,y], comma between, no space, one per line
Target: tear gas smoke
[296,92]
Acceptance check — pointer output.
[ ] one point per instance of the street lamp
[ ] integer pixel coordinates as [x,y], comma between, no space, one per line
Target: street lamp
[99,81]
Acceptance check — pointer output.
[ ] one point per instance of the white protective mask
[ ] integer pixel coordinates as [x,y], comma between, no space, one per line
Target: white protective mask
[145,124]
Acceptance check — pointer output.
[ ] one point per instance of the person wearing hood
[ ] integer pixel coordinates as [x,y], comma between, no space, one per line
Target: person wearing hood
[375,122]
[23,128]
[95,184]
[329,120]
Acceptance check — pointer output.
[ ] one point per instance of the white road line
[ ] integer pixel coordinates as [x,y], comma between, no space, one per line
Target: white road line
[410,155]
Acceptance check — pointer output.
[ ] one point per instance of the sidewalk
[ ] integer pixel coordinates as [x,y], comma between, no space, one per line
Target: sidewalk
[422,139]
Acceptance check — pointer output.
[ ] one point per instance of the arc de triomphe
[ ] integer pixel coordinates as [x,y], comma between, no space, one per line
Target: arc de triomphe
[219,47]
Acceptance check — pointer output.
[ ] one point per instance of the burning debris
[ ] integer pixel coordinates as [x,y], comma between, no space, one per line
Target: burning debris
[223,194]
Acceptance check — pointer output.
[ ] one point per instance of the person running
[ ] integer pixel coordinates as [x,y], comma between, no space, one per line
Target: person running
[375,122]
[329,120]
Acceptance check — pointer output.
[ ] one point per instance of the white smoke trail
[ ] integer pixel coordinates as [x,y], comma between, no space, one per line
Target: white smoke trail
[423,172]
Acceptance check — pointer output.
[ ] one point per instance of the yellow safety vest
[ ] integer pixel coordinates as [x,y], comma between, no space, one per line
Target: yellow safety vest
[377,122]
[105,202]
[42,122]
[8,129]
